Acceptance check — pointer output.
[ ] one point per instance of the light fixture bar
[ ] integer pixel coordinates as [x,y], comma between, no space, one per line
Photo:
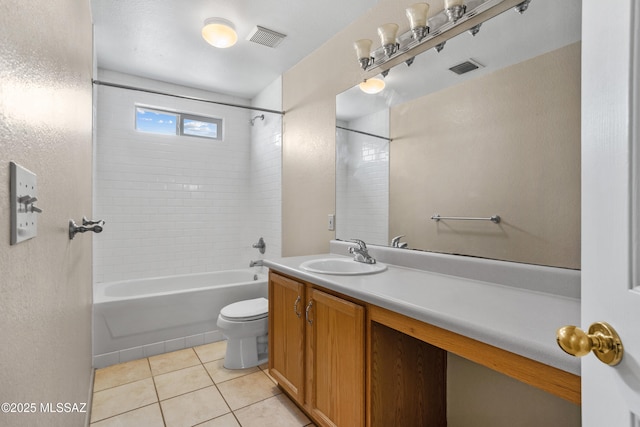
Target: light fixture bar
[477,12]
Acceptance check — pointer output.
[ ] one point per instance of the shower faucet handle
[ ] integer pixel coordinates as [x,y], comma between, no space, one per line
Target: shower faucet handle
[261,245]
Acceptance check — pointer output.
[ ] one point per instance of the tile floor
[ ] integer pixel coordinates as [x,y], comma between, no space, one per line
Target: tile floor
[187,388]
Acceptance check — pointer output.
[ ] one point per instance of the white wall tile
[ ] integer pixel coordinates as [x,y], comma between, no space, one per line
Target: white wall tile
[177,204]
[362,181]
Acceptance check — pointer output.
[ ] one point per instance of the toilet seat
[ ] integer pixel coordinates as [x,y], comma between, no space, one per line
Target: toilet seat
[252,309]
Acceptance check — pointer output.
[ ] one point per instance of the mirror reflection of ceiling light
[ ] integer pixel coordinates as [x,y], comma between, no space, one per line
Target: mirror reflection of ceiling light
[372,85]
[219,32]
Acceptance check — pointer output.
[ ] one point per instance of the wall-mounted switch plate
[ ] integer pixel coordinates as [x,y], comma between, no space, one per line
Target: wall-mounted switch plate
[332,222]
[24,213]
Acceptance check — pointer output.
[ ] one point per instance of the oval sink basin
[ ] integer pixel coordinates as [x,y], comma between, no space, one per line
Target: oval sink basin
[341,266]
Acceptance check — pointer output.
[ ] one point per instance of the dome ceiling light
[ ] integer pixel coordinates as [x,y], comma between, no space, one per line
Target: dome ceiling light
[219,32]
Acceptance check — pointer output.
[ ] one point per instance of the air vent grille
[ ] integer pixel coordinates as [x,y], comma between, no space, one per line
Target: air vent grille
[265,36]
[465,67]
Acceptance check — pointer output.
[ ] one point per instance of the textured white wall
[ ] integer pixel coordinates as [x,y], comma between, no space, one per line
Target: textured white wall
[509,147]
[45,285]
[179,204]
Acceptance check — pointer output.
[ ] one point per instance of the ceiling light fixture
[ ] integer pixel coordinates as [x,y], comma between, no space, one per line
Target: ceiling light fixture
[363,50]
[417,14]
[387,33]
[454,9]
[457,17]
[372,86]
[219,32]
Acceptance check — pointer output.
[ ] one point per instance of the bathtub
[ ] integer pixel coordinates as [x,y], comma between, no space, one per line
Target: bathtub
[139,318]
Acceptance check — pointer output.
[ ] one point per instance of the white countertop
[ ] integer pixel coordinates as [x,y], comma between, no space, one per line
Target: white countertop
[518,320]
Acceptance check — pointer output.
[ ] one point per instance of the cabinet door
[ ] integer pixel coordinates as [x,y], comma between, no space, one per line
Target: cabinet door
[287,334]
[335,363]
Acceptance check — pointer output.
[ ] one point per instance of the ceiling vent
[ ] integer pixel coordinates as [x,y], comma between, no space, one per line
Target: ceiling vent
[466,66]
[265,36]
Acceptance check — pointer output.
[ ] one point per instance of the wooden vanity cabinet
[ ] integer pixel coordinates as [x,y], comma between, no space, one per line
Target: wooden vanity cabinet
[317,344]
[335,360]
[287,335]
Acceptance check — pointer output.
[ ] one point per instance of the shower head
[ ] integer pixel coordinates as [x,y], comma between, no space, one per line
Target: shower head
[252,121]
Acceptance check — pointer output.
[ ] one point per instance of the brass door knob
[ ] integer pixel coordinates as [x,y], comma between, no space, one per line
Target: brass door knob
[602,339]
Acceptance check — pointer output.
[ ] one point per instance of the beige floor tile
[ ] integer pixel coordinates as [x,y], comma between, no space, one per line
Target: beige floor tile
[181,381]
[121,373]
[147,416]
[124,398]
[224,421]
[244,391]
[277,411]
[192,408]
[220,374]
[265,368]
[163,363]
[213,351]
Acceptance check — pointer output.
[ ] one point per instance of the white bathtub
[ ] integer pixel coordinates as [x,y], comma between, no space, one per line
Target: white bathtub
[140,318]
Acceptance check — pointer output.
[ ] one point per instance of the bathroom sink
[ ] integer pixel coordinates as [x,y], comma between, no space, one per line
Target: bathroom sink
[341,266]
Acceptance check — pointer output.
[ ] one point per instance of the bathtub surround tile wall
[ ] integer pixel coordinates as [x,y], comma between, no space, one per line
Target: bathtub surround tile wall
[265,207]
[176,205]
[362,180]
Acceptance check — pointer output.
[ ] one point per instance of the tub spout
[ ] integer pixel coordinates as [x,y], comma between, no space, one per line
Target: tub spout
[257,263]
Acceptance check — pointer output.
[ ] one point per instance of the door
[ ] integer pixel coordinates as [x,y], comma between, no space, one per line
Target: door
[610,205]
[335,364]
[286,348]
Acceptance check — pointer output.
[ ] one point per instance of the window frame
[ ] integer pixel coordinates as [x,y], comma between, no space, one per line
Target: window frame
[180,118]
[218,122]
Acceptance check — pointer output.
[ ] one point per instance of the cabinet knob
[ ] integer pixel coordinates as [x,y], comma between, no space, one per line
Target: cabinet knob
[601,338]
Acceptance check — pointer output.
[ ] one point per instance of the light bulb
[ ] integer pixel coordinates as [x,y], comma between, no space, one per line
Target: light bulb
[417,14]
[219,32]
[372,86]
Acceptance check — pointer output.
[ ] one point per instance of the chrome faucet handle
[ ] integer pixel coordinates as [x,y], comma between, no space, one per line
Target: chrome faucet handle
[261,245]
[396,241]
[361,244]
[360,253]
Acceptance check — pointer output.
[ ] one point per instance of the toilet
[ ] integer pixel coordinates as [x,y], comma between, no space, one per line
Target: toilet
[244,325]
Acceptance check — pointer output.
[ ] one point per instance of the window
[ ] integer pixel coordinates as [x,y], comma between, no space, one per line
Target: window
[204,127]
[169,123]
[155,121]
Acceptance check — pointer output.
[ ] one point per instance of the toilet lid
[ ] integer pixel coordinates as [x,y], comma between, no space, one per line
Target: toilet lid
[250,309]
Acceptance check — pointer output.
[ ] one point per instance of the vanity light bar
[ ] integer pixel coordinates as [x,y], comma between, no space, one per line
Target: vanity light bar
[441,30]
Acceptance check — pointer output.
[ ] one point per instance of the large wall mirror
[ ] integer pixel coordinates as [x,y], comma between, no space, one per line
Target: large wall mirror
[502,139]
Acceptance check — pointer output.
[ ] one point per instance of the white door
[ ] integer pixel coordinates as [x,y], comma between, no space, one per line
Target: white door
[611,205]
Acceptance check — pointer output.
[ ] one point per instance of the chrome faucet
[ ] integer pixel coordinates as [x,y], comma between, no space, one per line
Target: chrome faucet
[361,253]
[396,243]
[257,263]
